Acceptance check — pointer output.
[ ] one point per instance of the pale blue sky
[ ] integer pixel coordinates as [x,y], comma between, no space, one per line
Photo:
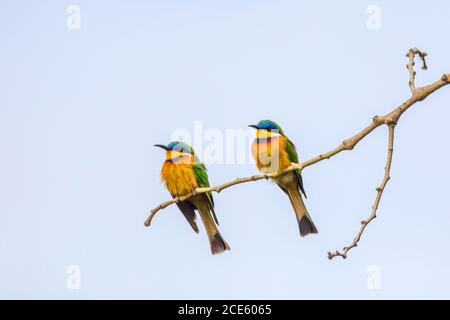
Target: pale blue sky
[80,111]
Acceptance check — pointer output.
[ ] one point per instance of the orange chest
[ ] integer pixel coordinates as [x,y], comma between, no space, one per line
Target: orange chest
[179,178]
[270,155]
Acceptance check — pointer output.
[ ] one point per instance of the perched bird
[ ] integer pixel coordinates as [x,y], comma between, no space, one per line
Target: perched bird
[273,153]
[182,173]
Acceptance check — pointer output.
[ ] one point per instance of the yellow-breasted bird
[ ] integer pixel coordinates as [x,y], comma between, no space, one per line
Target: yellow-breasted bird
[182,173]
[274,152]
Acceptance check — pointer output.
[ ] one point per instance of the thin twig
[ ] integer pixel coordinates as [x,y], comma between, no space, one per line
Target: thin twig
[410,66]
[380,190]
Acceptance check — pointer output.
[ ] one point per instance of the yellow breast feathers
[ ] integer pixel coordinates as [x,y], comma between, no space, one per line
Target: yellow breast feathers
[269,153]
[178,175]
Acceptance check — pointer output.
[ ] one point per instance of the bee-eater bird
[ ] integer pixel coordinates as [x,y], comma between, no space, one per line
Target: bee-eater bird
[182,173]
[273,153]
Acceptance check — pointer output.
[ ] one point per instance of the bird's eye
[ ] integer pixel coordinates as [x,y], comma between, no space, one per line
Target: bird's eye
[182,150]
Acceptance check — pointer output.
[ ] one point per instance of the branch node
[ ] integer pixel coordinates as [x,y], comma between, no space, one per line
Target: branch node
[390,121]
[445,78]
[347,146]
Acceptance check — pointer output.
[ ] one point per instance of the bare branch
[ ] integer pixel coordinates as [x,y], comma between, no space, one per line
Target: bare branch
[390,120]
[412,73]
[380,190]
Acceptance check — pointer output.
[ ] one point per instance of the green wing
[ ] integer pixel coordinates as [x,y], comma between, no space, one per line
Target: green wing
[203,182]
[290,149]
[293,157]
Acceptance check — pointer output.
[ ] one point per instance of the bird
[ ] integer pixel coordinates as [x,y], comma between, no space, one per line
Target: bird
[182,173]
[274,152]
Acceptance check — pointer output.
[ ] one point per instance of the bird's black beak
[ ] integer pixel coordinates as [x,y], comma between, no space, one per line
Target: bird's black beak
[162,146]
[254,126]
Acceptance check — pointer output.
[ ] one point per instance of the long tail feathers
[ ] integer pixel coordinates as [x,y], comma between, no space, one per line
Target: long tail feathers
[305,223]
[218,244]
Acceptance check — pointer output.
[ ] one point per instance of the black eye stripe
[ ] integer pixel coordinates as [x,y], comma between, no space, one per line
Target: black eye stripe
[181,149]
